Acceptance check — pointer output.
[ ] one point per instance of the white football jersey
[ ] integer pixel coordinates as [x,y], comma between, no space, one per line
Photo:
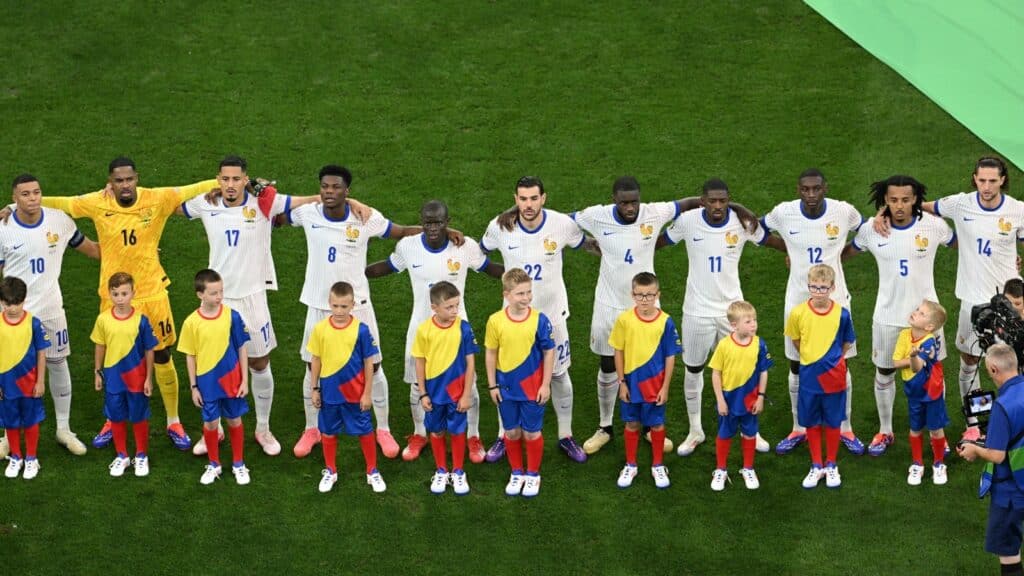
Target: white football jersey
[539,253]
[811,241]
[239,238]
[713,252]
[626,249]
[906,265]
[336,252]
[986,243]
[35,254]
[427,267]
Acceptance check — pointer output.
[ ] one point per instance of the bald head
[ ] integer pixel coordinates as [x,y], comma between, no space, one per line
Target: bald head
[1001,362]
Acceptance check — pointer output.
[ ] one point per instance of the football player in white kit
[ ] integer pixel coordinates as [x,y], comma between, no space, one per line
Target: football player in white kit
[533,238]
[338,233]
[238,226]
[988,224]
[32,245]
[906,275]
[431,257]
[714,238]
[812,230]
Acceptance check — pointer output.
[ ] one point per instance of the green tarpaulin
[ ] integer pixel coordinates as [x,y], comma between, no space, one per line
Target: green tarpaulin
[966,55]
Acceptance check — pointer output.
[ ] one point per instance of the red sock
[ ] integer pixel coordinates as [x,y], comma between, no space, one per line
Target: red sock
[237,434]
[369,446]
[141,430]
[632,444]
[534,454]
[212,438]
[458,450]
[657,447]
[722,447]
[939,450]
[437,446]
[31,440]
[514,453]
[749,445]
[831,444]
[330,448]
[120,431]
[917,449]
[814,444]
[14,440]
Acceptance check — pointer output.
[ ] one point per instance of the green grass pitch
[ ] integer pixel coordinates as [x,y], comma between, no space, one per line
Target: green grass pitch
[456,101]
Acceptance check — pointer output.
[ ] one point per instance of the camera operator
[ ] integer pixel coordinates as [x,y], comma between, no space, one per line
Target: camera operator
[1014,292]
[1005,434]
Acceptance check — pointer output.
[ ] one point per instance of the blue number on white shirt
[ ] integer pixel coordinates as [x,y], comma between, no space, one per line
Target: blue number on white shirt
[533,271]
[332,254]
[629,256]
[716,263]
[984,247]
[232,237]
[814,253]
[38,265]
[903,267]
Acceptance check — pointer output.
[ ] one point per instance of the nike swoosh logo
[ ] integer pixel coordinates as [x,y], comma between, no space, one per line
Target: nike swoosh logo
[318,226]
[417,265]
[214,213]
[968,219]
[513,247]
[607,233]
[883,244]
[18,246]
[794,232]
[109,214]
[698,239]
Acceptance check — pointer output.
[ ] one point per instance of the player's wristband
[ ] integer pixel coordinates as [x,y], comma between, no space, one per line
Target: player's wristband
[194,387]
[492,387]
[316,389]
[760,394]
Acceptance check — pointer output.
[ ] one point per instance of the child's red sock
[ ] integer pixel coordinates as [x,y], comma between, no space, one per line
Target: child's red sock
[31,441]
[237,434]
[722,447]
[917,449]
[120,432]
[749,446]
[458,450]
[657,447]
[369,446]
[939,450]
[814,444]
[831,444]
[534,454]
[212,438]
[438,447]
[632,444]
[514,453]
[329,443]
[141,430]
[14,441]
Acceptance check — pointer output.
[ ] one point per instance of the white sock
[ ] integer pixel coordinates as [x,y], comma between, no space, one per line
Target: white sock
[607,392]
[380,399]
[418,414]
[312,414]
[846,426]
[885,397]
[968,373]
[693,386]
[262,382]
[794,391]
[473,416]
[59,377]
[561,397]
[501,425]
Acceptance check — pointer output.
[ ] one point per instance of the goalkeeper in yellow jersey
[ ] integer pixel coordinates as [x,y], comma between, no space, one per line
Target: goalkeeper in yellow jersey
[129,222]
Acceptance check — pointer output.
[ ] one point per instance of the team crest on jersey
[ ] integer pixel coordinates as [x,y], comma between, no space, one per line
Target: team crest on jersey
[1004,227]
[832,231]
[249,213]
[921,242]
[646,230]
[146,217]
[51,238]
[731,239]
[351,234]
[453,267]
[550,246]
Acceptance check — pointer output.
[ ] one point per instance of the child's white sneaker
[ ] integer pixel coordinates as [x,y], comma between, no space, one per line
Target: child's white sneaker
[939,474]
[31,469]
[750,478]
[914,474]
[439,482]
[118,466]
[813,477]
[460,484]
[13,466]
[627,475]
[532,485]
[660,474]
[210,474]
[141,466]
[376,481]
[328,481]
[718,479]
[515,484]
[832,478]
[241,474]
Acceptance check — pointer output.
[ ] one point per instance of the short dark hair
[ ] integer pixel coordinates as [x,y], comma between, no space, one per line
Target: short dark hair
[342,289]
[530,182]
[880,188]
[119,279]
[120,162]
[625,184]
[236,161]
[713,184]
[334,170]
[992,162]
[646,279]
[12,290]
[443,290]
[812,173]
[1014,287]
[204,277]
[434,205]
[23,179]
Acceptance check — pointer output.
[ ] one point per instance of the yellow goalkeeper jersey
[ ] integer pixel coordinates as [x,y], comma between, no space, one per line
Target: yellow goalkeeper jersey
[129,237]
